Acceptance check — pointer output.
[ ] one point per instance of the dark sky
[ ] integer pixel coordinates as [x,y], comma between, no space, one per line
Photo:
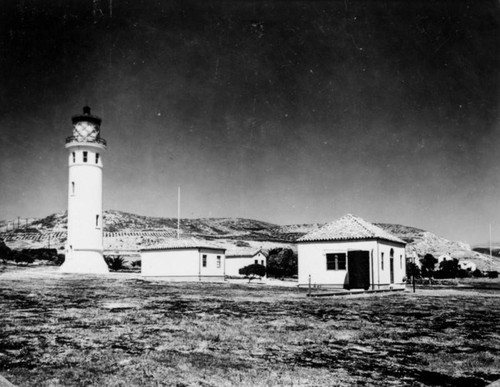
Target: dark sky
[289,112]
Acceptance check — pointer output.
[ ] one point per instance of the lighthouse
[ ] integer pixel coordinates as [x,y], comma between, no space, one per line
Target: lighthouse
[84,245]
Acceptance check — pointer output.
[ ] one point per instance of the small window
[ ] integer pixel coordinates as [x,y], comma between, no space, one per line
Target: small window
[382,261]
[97,220]
[262,262]
[256,261]
[85,154]
[72,188]
[97,158]
[400,261]
[336,261]
[74,157]
[218,261]
[204,262]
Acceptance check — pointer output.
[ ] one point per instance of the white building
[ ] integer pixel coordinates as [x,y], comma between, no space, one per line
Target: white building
[351,253]
[184,260]
[238,259]
[84,246]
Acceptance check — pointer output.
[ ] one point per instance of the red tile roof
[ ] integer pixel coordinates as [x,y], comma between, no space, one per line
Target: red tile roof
[349,227]
[191,243]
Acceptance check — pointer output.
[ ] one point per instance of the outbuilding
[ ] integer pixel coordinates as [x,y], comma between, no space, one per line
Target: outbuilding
[353,254]
[238,259]
[184,260]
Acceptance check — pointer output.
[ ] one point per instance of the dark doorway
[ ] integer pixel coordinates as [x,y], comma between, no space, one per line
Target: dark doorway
[391,265]
[358,269]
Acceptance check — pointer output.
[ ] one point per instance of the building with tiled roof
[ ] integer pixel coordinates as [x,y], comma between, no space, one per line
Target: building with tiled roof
[184,260]
[240,258]
[351,253]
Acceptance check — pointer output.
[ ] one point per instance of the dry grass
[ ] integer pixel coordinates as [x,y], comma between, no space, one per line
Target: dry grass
[121,331]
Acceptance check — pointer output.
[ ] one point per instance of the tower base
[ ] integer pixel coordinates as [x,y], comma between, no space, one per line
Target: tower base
[84,262]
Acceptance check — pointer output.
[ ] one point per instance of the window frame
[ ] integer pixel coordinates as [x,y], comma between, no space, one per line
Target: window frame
[336,261]
[85,156]
[204,260]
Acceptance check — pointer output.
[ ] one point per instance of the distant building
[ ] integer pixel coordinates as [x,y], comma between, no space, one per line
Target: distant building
[467,265]
[184,260]
[238,259]
[351,253]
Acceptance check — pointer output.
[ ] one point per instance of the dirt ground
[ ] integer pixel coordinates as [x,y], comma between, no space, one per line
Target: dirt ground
[119,330]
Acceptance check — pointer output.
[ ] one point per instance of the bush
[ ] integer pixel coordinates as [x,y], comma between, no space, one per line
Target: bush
[428,264]
[136,263]
[5,251]
[115,263]
[412,270]
[493,274]
[477,273]
[23,258]
[282,263]
[463,273]
[253,271]
[447,269]
[60,259]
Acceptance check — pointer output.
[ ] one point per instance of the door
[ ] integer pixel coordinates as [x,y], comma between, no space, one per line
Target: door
[358,269]
[391,265]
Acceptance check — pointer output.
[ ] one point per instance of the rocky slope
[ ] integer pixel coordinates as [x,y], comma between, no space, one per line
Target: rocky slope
[125,232]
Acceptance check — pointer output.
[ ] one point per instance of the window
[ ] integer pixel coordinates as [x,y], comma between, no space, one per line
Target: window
[204,261]
[74,157]
[218,261]
[382,261]
[72,188]
[262,262]
[400,261]
[256,261]
[97,158]
[97,220]
[85,154]
[336,261]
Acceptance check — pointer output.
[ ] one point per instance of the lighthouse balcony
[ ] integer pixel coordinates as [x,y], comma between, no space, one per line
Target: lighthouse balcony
[78,139]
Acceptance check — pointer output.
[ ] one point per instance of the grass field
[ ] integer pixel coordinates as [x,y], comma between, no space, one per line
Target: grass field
[122,331]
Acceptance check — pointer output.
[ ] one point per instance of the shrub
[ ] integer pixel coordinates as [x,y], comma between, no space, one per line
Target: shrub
[477,273]
[136,263]
[23,258]
[412,270]
[5,251]
[282,262]
[428,265]
[60,259]
[447,269]
[115,263]
[493,274]
[253,271]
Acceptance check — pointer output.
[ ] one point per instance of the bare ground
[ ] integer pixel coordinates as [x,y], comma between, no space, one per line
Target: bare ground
[62,330]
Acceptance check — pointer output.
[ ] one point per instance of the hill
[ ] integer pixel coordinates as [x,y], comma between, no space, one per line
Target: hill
[127,233]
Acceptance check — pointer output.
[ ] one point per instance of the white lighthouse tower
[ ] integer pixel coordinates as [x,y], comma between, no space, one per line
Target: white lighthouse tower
[84,246]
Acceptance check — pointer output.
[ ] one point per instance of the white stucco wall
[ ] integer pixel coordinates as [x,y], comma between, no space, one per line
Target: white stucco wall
[183,264]
[312,262]
[85,231]
[234,264]
[211,269]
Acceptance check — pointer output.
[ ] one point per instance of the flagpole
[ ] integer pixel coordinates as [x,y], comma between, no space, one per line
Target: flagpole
[178,211]
[491,257]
